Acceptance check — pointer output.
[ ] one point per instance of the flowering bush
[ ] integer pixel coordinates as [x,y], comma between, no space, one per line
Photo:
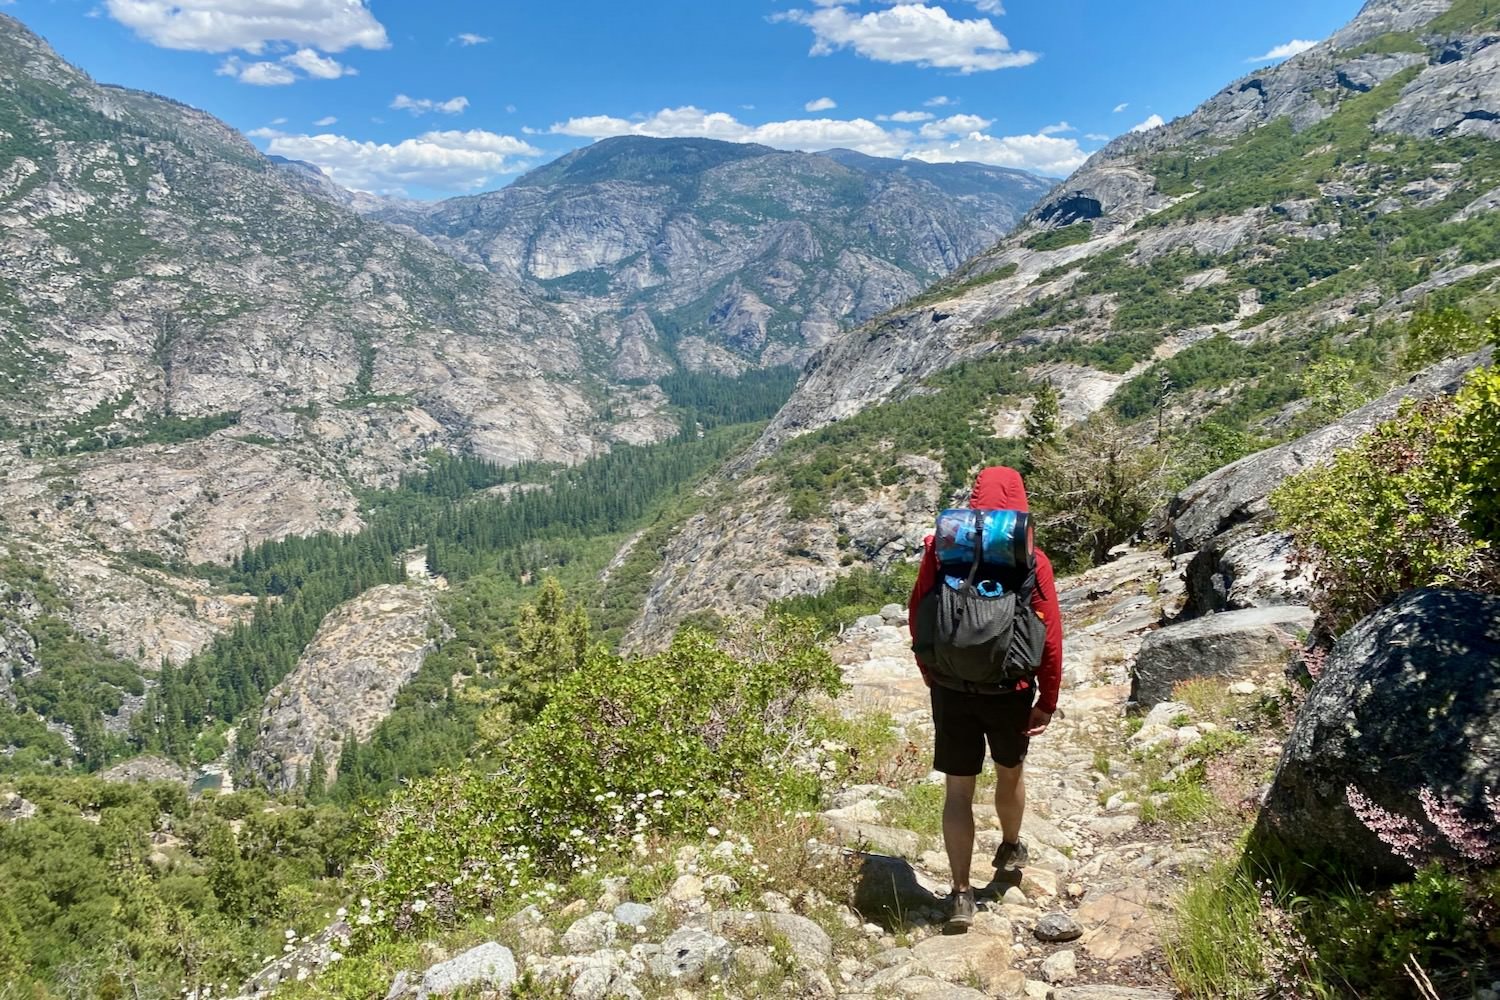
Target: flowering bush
[627,749]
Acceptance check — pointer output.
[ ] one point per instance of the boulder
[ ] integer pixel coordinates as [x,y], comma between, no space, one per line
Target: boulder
[1236,493]
[691,954]
[1406,709]
[490,965]
[1244,568]
[1232,645]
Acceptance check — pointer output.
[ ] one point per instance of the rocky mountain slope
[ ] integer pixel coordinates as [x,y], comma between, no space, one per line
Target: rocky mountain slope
[1194,270]
[199,353]
[723,256]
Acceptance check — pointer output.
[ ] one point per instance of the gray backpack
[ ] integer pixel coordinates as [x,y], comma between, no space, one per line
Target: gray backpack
[978,632]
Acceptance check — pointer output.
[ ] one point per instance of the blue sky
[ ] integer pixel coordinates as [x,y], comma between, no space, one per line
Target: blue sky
[431,98]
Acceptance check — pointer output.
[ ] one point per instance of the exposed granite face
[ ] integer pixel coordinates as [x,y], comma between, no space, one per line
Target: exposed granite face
[761,255]
[346,680]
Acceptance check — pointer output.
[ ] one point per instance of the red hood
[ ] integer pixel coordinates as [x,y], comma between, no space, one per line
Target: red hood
[998,487]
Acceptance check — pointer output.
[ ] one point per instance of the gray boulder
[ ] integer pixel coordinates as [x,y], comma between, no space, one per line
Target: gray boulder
[1237,493]
[589,933]
[810,944]
[490,965]
[1231,644]
[690,954]
[1244,568]
[1409,700]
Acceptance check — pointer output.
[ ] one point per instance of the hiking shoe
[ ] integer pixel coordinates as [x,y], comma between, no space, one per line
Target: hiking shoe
[961,914]
[1009,855]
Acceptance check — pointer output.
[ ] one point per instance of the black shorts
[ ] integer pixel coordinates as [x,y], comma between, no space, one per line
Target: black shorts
[964,721]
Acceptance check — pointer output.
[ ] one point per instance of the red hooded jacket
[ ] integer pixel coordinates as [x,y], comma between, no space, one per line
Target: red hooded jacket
[1000,488]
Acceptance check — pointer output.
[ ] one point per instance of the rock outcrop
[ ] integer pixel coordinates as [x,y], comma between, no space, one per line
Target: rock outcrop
[345,682]
[1400,733]
[1232,645]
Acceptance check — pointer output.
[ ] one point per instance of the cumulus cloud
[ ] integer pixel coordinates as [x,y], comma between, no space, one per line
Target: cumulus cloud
[804,133]
[820,104]
[225,25]
[1059,128]
[1043,154]
[939,101]
[989,6]
[325,121]
[259,74]
[1155,121]
[1096,137]
[449,160]
[957,137]
[1121,106]
[469,38]
[423,105]
[955,125]
[320,67]
[906,117]
[911,33]
[1284,51]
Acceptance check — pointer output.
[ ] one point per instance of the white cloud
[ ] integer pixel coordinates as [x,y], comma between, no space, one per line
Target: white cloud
[422,105]
[225,25]
[939,101]
[804,133]
[906,116]
[1041,153]
[278,121]
[325,121]
[450,160]
[1284,51]
[469,38]
[1059,128]
[1155,121]
[265,133]
[911,33]
[320,67]
[821,104]
[989,6]
[260,74]
[1121,106]
[955,125]
[1097,137]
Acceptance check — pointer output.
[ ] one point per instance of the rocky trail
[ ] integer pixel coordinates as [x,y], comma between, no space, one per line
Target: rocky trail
[1081,919]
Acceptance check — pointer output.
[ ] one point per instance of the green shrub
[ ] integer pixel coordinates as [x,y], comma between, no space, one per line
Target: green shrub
[1411,504]
[1067,236]
[625,749]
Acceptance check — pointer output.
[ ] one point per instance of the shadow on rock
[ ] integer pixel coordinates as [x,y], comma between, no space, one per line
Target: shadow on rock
[890,892]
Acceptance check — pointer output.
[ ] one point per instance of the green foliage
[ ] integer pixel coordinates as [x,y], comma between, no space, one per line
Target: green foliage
[862,591]
[1466,16]
[1388,44]
[89,887]
[1242,929]
[552,640]
[1409,505]
[1331,387]
[1043,423]
[1438,334]
[626,748]
[1057,239]
[711,400]
[1093,490]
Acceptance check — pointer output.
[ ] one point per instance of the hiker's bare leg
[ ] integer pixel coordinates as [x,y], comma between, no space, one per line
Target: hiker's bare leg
[1010,800]
[958,827]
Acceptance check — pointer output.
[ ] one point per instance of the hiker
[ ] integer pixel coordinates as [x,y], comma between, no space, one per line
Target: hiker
[965,712]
